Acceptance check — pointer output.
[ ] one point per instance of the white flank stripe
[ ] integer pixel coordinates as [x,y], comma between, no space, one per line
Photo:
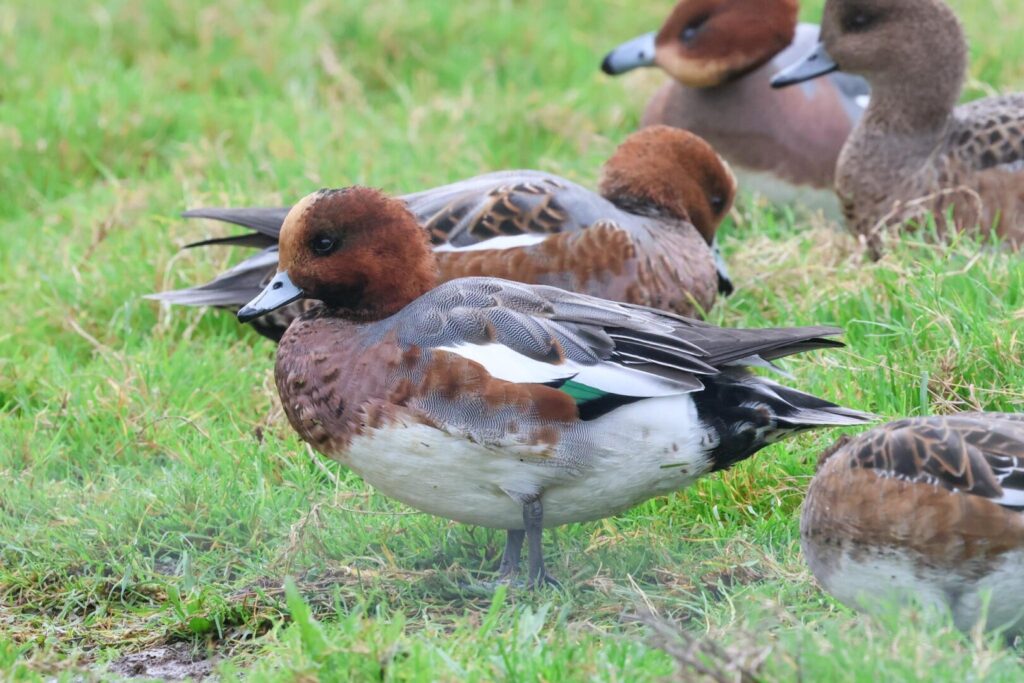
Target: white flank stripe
[510,365]
[1011,497]
[1013,166]
[504,242]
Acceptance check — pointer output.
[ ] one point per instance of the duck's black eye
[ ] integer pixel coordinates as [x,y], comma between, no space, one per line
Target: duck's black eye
[717,203]
[693,29]
[323,245]
[859,20]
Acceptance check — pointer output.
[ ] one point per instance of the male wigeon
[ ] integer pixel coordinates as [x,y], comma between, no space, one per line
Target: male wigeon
[722,55]
[929,508]
[507,405]
[916,153]
[648,238]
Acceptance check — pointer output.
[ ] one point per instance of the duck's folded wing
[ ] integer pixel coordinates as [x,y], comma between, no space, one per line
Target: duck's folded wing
[492,211]
[508,208]
[532,334]
[990,134]
[493,205]
[977,453]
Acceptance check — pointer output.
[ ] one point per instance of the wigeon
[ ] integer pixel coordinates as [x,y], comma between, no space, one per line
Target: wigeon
[915,153]
[647,238]
[722,55]
[507,405]
[928,508]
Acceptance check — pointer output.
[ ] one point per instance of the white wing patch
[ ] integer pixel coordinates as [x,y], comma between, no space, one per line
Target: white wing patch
[510,365]
[1011,498]
[1013,167]
[503,242]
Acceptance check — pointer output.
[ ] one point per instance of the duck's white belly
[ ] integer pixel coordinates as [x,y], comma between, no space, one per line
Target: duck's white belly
[875,580]
[638,451]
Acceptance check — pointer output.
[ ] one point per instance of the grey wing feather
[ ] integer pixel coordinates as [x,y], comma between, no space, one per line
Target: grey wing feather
[232,289]
[855,91]
[506,203]
[547,324]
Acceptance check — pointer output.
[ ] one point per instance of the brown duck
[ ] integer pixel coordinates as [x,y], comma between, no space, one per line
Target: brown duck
[927,508]
[915,154]
[721,56]
[648,238]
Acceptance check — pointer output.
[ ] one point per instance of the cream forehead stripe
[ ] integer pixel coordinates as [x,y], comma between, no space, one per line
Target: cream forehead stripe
[297,210]
[289,228]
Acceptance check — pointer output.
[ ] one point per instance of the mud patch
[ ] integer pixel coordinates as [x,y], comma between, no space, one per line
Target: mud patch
[174,662]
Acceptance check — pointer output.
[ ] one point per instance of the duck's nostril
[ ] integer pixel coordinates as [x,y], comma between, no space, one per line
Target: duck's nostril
[277,285]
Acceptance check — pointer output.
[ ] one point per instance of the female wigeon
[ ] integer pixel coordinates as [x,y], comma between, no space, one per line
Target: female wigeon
[915,153]
[930,508]
[648,238]
[722,55]
[507,405]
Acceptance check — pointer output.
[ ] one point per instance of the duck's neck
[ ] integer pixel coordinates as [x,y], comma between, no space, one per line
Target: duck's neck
[905,122]
[911,109]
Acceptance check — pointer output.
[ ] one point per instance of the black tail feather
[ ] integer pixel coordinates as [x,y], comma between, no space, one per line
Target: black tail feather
[749,413]
[266,220]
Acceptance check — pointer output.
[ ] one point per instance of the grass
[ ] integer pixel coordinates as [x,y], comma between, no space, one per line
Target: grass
[152,495]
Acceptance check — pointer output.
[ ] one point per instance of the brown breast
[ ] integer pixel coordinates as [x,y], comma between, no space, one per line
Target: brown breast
[334,385]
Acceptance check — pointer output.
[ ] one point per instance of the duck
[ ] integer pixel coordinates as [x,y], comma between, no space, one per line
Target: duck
[916,156]
[502,404]
[929,509]
[720,56]
[648,236]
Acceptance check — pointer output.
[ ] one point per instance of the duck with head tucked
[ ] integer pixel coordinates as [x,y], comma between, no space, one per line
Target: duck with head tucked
[915,154]
[929,508]
[722,55]
[507,405]
[647,238]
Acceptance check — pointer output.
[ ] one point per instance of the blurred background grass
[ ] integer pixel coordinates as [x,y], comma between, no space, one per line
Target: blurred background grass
[150,490]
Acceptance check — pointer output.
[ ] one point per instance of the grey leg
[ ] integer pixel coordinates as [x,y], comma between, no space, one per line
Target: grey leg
[510,558]
[533,520]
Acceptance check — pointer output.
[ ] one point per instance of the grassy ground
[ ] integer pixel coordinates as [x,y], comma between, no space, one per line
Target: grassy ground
[152,495]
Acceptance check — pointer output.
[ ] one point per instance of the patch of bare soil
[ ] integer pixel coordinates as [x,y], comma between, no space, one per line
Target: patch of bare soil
[174,662]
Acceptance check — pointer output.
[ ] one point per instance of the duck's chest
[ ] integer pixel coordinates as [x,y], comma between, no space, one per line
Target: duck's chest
[333,385]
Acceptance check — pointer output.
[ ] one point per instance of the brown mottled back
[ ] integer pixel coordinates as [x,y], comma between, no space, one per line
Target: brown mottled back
[672,270]
[948,487]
